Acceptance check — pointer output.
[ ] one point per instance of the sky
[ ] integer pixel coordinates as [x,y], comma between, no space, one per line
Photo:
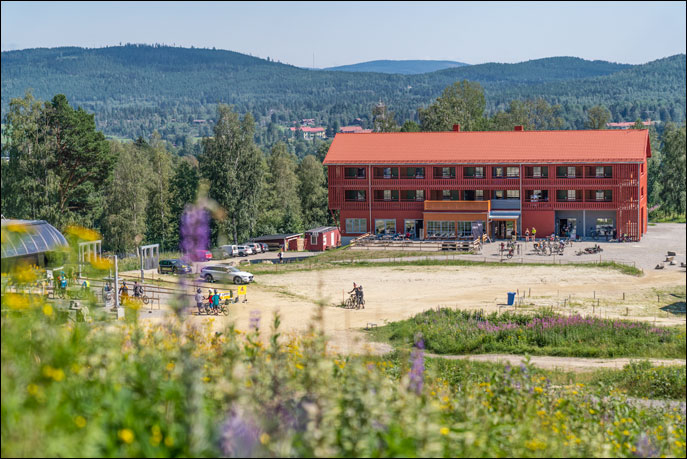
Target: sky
[339,33]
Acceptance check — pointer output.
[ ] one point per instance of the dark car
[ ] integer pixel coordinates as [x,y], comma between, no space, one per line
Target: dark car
[174,266]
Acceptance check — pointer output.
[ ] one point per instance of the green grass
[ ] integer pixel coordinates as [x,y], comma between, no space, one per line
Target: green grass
[659,217]
[347,262]
[637,379]
[449,331]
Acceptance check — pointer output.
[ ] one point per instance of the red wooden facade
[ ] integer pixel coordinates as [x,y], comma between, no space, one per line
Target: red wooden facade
[321,239]
[582,190]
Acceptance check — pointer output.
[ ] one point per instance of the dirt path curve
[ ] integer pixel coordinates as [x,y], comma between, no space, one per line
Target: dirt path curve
[576,364]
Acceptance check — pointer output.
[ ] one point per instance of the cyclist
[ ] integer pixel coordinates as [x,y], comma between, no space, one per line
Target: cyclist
[209,306]
[124,291]
[138,291]
[359,297]
[215,302]
[86,286]
[199,301]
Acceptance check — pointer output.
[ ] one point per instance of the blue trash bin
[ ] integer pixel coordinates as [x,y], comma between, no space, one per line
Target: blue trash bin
[511,298]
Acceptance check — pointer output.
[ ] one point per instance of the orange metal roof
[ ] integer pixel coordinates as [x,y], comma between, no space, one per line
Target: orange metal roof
[490,147]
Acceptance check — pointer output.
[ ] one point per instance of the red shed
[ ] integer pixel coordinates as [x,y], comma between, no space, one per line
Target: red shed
[322,238]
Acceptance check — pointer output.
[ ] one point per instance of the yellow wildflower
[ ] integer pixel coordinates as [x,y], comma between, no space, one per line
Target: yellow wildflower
[126,435]
[47,310]
[444,431]
[264,438]
[80,422]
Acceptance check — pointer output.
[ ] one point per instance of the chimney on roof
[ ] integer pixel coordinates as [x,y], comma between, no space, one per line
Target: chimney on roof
[456,127]
[518,128]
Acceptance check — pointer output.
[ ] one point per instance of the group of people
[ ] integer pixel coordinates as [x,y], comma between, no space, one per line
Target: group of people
[124,291]
[358,292]
[534,234]
[212,302]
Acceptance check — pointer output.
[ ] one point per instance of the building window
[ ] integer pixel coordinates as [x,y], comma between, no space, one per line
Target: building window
[386,172]
[355,195]
[413,195]
[413,172]
[604,226]
[539,172]
[441,230]
[385,226]
[473,195]
[498,194]
[445,172]
[450,195]
[513,194]
[513,172]
[313,239]
[356,225]
[566,195]
[601,171]
[538,195]
[354,173]
[473,172]
[386,195]
[497,172]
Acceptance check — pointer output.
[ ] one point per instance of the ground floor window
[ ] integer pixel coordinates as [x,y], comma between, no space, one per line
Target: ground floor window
[385,226]
[467,229]
[356,225]
[441,229]
[313,239]
[604,226]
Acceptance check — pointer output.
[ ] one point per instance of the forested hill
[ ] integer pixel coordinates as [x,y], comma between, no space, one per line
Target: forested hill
[404,67]
[136,89]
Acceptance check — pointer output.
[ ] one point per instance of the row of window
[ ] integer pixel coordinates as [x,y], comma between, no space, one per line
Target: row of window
[478,195]
[479,172]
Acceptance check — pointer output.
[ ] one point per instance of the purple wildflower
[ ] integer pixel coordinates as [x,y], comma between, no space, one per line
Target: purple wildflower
[417,372]
[254,319]
[240,434]
[195,231]
[645,447]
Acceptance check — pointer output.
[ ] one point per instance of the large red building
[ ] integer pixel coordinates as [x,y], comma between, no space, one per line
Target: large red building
[445,184]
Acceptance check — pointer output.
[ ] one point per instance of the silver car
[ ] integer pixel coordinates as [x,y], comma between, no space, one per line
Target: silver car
[225,273]
[257,248]
[244,250]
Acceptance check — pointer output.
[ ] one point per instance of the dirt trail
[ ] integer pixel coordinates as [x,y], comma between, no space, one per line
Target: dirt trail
[575,364]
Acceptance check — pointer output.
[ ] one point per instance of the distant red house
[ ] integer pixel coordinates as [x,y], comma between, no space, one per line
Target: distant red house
[322,238]
[310,132]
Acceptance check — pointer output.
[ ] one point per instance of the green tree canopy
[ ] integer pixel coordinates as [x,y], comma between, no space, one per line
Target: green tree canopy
[597,117]
[461,103]
[232,164]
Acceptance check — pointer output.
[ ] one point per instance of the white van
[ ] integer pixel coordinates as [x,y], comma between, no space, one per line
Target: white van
[230,250]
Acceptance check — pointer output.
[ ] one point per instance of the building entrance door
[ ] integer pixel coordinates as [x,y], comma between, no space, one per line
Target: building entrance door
[418,229]
[567,227]
[410,228]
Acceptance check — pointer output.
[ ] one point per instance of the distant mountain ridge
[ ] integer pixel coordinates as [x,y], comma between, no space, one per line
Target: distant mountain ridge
[401,67]
[135,89]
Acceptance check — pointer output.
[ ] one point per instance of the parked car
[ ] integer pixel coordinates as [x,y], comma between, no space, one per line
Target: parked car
[257,248]
[225,273]
[230,250]
[174,266]
[244,250]
[201,255]
[265,247]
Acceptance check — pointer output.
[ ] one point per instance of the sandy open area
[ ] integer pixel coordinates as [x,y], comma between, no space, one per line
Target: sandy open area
[396,293]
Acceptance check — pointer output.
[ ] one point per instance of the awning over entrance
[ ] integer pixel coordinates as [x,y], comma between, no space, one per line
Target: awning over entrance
[504,215]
